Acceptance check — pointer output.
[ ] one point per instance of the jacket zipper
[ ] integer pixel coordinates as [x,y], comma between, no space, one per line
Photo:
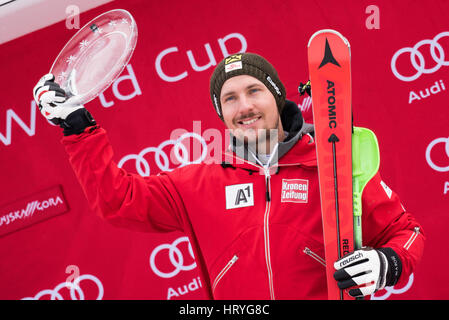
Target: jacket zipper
[313,255]
[412,238]
[224,271]
[267,184]
[266,231]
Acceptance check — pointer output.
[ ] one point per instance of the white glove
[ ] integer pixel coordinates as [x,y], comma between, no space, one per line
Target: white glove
[50,98]
[367,270]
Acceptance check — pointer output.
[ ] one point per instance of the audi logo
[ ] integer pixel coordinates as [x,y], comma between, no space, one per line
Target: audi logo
[74,288]
[175,256]
[393,290]
[417,59]
[162,160]
[429,151]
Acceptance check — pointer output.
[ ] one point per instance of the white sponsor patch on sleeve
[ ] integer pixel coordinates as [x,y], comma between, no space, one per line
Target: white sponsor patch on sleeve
[387,189]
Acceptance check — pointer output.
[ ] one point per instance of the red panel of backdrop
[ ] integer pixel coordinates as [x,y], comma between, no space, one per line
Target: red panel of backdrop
[53,246]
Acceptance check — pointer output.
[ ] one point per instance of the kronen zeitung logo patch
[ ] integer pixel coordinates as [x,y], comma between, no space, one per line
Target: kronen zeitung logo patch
[295,190]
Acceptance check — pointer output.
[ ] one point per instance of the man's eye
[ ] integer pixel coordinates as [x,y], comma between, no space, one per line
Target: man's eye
[254,90]
[230,98]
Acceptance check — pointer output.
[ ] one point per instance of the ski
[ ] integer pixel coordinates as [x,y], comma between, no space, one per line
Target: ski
[365,164]
[329,61]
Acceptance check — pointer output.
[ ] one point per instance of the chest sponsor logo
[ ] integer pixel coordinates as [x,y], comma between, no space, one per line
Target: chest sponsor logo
[239,196]
[295,190]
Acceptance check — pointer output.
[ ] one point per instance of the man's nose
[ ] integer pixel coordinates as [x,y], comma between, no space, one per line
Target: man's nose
[245,105]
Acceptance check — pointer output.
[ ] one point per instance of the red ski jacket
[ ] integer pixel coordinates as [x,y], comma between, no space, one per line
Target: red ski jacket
[256,234]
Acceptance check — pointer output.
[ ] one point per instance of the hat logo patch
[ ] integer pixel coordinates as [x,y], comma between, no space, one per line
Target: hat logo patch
[233,62]
[216,105]
[276,88]
[233,58]
[233,66]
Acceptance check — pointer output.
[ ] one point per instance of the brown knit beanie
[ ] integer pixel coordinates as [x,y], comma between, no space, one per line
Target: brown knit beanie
[250,64]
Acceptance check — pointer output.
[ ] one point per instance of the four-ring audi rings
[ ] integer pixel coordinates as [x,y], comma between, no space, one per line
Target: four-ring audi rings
[162,160]
[429,150]
[417,59]
[74,288]
[392,290]
[176,258]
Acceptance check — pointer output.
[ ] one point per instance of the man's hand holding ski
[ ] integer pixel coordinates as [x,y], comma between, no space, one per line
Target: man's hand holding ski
[367,270]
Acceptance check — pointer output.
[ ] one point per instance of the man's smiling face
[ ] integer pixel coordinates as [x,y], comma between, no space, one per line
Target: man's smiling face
[249,109]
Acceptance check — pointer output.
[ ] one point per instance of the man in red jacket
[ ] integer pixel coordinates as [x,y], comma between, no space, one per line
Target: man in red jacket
[260,234]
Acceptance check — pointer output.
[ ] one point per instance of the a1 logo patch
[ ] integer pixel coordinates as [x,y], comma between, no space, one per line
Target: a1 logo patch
[239,196]
[295,190]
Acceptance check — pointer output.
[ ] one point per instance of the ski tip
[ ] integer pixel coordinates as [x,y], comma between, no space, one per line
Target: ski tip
[328,31]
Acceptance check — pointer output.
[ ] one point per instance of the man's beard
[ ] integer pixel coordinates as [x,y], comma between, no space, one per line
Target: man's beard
[258,140]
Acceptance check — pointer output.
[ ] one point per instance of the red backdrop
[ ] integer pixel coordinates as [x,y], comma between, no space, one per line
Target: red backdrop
[50,241]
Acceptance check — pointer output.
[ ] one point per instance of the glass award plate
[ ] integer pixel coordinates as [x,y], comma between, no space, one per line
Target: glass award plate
[95,56]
